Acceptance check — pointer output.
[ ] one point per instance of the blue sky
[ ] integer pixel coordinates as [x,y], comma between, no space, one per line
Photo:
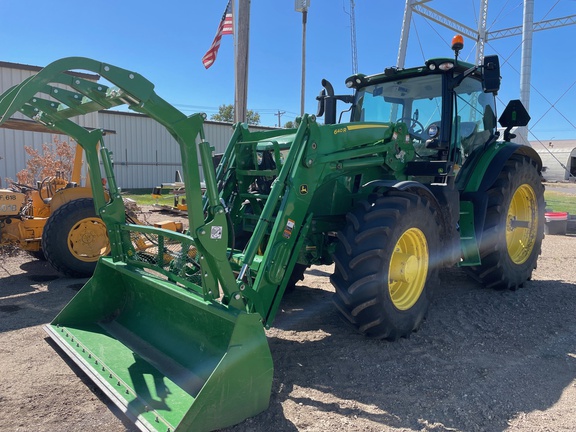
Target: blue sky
[166,41]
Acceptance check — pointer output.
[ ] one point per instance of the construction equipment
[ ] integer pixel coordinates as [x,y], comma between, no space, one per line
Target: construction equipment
[55,220]
[177,191]
[417,180]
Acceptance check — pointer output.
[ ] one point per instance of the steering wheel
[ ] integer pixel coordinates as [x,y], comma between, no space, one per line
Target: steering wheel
[412,123]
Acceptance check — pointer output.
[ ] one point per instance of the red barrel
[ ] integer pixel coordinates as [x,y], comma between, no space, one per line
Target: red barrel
[556,223]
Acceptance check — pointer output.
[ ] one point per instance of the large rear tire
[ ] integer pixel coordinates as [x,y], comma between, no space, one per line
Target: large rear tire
[386,265]
[74,238]
[514,226]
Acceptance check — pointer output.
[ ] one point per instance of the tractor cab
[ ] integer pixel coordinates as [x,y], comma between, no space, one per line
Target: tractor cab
[438,120]
[448,106]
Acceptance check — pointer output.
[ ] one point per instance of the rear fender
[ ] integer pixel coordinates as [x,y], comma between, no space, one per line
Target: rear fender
[481,169]
[479,173]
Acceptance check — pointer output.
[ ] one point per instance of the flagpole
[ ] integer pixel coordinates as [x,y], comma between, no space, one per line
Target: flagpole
[242,61]
[302,6]
[235,35]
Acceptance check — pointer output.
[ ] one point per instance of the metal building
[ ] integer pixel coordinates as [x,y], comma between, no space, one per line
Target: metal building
[21,131]
[558,160]
[144,153]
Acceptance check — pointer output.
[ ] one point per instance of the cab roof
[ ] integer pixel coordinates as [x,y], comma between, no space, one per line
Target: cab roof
[432,66]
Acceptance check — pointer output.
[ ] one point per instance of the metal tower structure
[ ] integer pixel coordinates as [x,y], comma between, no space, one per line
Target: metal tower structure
[353,50]
[353,38]
[482,35]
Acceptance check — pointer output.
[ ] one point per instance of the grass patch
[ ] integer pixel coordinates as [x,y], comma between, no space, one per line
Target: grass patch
[560,202]
[144,197]
[555,201]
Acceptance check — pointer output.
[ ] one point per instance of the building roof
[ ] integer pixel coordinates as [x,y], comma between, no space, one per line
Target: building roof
[32,68]
[554,146]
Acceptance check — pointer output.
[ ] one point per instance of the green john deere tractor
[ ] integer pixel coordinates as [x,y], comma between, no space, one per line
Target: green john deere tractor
[171,325]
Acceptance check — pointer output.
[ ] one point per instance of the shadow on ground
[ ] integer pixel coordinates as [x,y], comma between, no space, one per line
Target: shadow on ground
[34,295]
[480,358]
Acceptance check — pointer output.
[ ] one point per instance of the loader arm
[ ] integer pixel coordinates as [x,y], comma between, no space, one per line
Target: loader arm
[81,97]
[171,325]
[317,157]
[161,327]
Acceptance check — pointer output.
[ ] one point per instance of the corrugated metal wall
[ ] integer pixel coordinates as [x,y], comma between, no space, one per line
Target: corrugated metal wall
[553,161]
[557,159]
[12,142]
[145,154]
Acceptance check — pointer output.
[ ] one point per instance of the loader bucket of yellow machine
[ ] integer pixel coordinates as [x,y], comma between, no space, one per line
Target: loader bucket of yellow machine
[169,359]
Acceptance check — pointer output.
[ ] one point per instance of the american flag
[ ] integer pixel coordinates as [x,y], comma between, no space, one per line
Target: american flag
[225,27]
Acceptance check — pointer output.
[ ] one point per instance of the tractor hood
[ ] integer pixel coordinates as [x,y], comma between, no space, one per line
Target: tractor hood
[345,134]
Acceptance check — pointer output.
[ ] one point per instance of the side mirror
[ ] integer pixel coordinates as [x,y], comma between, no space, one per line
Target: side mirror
[321,104]
[491,74]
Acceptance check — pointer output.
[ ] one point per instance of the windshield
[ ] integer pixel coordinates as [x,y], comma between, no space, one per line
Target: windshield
[417,99]
[417,102]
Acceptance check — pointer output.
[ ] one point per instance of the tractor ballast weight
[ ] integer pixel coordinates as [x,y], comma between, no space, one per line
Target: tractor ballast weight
[171,325]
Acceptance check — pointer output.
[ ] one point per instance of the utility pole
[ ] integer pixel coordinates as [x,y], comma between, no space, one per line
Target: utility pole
[243,39]
[280,114]
[302,6]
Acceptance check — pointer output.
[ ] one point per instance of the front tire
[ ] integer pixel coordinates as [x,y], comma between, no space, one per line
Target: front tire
[74,238]
[386,265]
[514,226]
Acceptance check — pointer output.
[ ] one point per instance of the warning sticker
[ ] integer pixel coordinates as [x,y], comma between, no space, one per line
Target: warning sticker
[216,232]
[288,228]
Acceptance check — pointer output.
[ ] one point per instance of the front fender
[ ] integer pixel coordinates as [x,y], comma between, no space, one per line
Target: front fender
[66,195]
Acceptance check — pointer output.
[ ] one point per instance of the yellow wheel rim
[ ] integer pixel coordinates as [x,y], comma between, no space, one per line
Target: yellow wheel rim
[88,240]
[522,224]
[408,269]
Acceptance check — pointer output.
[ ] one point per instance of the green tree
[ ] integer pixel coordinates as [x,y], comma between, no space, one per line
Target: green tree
[226,114]
[292,124]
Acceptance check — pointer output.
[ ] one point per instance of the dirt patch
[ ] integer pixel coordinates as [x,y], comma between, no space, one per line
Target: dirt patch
[483,360]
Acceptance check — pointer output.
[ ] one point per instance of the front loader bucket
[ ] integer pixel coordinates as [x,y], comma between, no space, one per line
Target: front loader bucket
[170,360]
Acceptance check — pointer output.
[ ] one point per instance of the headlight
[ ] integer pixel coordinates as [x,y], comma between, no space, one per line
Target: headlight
[446,66]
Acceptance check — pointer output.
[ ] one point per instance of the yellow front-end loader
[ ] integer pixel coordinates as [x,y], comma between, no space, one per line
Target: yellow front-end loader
[56,220]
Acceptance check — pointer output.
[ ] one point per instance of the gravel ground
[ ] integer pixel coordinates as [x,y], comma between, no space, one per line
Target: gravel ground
[482,361]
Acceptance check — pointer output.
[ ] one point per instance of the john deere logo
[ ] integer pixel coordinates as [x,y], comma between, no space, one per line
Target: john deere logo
[303,189]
